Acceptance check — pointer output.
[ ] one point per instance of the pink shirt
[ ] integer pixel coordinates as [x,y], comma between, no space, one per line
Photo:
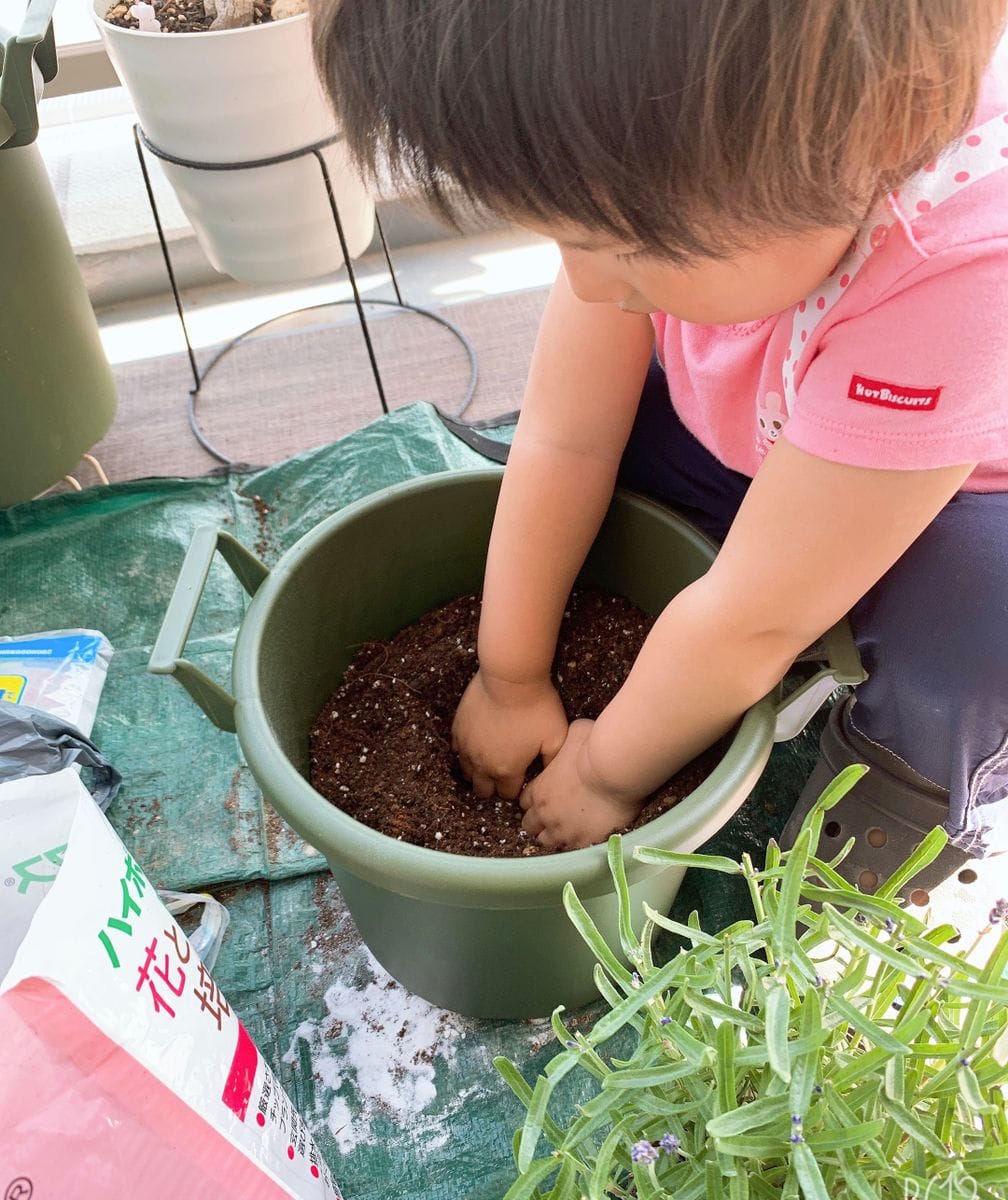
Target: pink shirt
[900,358]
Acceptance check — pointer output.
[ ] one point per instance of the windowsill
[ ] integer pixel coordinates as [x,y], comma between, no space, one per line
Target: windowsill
[86,142]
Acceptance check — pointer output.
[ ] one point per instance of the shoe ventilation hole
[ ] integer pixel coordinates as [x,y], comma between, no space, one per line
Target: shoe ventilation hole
[920,897]
[832,829]
[877,837]
[867,881]
[968,876]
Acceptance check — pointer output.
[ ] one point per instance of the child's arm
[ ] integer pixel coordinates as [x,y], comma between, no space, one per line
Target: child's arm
[582,394]
[810,539]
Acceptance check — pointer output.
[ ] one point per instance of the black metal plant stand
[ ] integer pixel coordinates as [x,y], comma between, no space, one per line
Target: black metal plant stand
[464,430]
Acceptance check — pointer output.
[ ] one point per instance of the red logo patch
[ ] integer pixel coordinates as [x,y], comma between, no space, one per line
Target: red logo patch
[892,395]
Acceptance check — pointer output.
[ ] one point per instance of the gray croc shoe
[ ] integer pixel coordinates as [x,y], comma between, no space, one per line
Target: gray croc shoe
[888,811]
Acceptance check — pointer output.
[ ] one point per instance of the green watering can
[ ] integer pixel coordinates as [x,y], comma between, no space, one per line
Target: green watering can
[57,393]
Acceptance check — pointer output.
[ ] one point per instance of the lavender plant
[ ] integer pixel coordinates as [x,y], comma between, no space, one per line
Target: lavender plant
[833,1046]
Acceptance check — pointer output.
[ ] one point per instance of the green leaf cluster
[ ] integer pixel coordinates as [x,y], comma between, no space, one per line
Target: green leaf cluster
[832,1046]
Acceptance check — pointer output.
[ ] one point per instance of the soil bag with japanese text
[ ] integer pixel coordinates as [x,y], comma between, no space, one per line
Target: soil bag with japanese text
[125,1072]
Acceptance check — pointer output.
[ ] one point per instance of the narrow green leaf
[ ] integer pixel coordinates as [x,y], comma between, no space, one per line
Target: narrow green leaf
[612,996]
[809,1176]
[936,956]
[969,1086]
[838,787]
[738,1186]
[623,1012]
[855,1179]
[646,939]
[703,862]
[821,869]
[995,1157]
[687,1045]
[645,1187]
[588,930]
[790,1190]
[778,1015]
[994,993]
[913,1127]
[587,1056]
[617,868]
[805,1046]
[516,1082]
[877,1036]
[861,937]
[534,1120]
[762,1148]
[693,1190]
[565,1187]
[930,846]
[844,1139]
[601,1176]
[696,936]
[783,934]
[992,975]
[649,1077]
[586,1125]
[753,1115]
[725,1066]
[759,1189]
[715,1185]
[526,1185]
[869,905]
[722,1012]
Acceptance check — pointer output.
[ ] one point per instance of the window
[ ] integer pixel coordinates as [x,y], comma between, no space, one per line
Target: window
[83,64]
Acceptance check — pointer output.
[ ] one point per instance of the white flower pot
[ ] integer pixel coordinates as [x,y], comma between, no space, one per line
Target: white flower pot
[241,95]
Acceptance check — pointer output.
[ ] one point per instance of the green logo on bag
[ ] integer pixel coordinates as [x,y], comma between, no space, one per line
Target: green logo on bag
[27,872]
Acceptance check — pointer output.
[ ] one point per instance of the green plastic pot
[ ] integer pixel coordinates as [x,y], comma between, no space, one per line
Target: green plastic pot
[57,391]
[485,937]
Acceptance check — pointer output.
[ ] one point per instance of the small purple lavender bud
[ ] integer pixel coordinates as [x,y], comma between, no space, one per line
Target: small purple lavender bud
[964,1062]
[669,1143]
[817,1089]
[664,1020]
[643,1152]
[796,1119]
[570,1044]
[796,1138]
[819,981]
[998,913]
[890,924]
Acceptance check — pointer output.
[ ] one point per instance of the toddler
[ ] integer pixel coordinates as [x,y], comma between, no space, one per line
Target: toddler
[782,310]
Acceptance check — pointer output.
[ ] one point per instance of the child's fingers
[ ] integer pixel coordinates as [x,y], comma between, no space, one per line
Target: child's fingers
[509,786]
[465,762]
[532,823]
[483,785]
[551,746]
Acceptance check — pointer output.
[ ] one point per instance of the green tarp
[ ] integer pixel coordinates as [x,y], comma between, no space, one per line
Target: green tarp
[403,1098]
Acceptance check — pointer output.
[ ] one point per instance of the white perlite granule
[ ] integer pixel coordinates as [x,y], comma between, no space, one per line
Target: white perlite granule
[383,1061]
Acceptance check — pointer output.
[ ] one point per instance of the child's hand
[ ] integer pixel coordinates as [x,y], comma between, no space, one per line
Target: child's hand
[564,808]
[500,727]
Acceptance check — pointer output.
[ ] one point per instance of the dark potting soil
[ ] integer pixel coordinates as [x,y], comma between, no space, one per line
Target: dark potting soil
[380,749]
[180,16]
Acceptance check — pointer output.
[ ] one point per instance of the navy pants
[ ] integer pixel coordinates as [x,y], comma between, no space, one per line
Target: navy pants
[932,633]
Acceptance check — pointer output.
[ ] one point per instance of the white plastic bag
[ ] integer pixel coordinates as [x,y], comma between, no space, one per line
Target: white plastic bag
[61,672]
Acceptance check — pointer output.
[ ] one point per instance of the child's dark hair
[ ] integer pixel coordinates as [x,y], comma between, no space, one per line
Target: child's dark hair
[683,126]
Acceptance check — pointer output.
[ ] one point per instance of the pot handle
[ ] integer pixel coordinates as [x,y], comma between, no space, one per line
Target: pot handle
[166,657]
[837,648]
